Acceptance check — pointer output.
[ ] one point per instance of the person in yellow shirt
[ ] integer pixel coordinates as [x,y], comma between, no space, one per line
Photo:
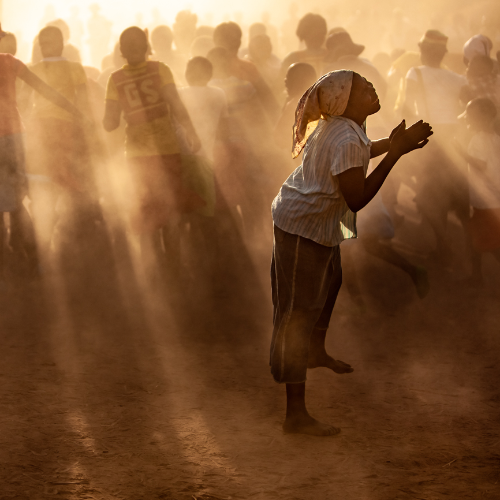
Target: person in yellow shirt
[145,92]
[56,147]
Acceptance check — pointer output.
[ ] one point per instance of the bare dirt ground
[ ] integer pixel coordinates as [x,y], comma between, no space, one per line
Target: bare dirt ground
[111,392]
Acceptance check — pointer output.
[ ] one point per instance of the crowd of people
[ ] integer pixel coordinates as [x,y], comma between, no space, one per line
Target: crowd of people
[206,137]
[178,153]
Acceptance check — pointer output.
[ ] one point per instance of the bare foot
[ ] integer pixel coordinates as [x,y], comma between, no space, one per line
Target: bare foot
[308,425]
[327,361]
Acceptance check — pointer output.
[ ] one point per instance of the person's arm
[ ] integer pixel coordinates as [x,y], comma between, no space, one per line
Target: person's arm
[357,190]
[180,113]
[379,147]
[48,92]
[112,113]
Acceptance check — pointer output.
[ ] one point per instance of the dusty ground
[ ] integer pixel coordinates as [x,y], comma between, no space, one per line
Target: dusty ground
[109,392]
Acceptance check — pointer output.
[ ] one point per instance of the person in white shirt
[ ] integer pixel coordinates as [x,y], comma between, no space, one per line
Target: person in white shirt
[207,106]
[483,157]
[432,94]
[313,213]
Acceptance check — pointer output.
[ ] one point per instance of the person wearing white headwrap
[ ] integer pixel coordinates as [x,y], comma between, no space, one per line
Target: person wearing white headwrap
[313,212]
[478,45]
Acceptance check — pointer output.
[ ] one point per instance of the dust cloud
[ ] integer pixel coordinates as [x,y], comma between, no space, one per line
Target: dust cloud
[136,310]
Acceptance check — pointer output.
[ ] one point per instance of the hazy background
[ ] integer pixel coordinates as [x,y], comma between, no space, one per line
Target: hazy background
[370,23]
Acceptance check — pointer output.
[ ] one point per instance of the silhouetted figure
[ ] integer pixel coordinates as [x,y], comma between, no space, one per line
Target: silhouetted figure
[56,153]
[8,44]
[299,77]
[99,31]
[207,106]
[254,30]
[13,185]
[228,36]
[478,45]
[76,26]
[288,40]
[343,53]
[432,93]
[482,81]
[483,157]
[202,45]
[312,31]
[110,63]
[145,92]
[70,52]
[204,31]
[161,39]
[49,13]
[260,52]
[184,29]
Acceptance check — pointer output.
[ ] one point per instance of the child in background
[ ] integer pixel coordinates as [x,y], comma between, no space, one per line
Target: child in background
[483,157]
[299,77]
[146,94]
[207,107]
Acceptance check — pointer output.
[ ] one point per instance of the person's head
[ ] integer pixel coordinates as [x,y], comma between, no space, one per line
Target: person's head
[63,26]
[228,36]
[478,45]
[51,41]
[256,29]
[433,48]
[221,62]
[340,44]
[95,9]
[8,43]
[299,77]
[202,45]
[480,114]
[363,100]
[199,71]
[480,67]
[337,93]
[186,20]
[162,38]
[134,45]
[337,29]
[204,30]
[312,30]
[184,29]
[260,48]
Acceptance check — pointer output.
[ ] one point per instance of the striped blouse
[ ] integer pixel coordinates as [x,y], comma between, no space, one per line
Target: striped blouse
[310,203]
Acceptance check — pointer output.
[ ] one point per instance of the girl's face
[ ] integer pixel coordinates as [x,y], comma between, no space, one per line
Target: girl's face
[363,96]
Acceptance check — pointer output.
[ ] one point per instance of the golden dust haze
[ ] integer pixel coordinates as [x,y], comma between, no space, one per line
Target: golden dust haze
[370,23]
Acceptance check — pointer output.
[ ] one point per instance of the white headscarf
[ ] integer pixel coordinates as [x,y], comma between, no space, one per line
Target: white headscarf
[478,45]
[327,97]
